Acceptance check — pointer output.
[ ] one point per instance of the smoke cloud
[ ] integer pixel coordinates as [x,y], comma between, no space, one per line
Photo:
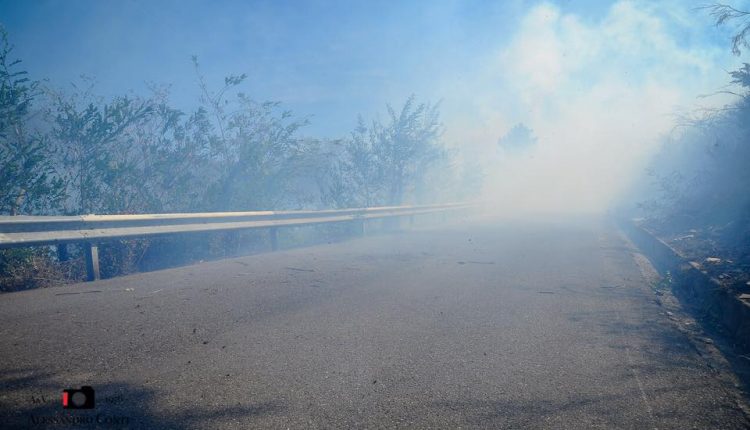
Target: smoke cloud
[599,95]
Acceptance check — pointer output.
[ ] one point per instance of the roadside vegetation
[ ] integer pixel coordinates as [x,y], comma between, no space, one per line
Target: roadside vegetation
[698,184]
[69,152]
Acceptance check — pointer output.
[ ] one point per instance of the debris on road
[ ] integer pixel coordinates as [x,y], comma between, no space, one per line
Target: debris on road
[297,269]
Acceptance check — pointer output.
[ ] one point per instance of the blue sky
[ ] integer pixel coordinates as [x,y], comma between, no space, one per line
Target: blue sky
[327,59]
[331,60]
[598,81]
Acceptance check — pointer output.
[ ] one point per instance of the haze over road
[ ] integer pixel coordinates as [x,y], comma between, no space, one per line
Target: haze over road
[535,324]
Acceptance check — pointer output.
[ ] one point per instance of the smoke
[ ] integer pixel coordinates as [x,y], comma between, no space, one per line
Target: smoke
[598,94]
[598,85]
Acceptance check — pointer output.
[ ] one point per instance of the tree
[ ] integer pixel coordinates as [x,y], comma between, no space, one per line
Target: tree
[358,176]
[406,146]
[724,14]
[254,148]
[700,178]
[171,156]
[95,140]
[28,181]
[518,138]
[384,163]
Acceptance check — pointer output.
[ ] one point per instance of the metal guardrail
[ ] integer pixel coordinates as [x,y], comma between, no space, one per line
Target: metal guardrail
[23,231]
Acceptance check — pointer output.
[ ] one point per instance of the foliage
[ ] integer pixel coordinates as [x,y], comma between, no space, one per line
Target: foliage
[723,15]
[358,176]
[253,145]
[81,153]
[28,182]
[29,268]
[385,163]
[700,178]
[95,141]
[518,138]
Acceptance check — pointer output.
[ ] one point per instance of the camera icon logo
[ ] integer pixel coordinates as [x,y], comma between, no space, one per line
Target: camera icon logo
[82,398]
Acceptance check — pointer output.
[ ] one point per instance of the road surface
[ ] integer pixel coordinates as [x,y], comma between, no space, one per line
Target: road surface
[513,325]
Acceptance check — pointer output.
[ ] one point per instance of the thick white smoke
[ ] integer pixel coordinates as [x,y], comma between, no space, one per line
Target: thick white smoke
[599,95]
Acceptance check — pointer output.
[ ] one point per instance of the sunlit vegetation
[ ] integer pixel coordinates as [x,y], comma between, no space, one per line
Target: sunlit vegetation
[699,181]
[70,151]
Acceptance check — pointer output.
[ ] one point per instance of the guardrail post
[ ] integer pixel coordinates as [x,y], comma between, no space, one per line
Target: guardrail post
[62,252]
[361,229]
[274,238]
[92,261]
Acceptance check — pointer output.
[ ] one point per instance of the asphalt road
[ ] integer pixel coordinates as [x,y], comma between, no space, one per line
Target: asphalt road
[516,325]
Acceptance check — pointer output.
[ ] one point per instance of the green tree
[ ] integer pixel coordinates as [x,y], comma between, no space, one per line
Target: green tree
[386,163]
[171,157]
[724,14]
[255,150]
[518,138]
[96,143]
[28,182]
[406,146]
[358,176]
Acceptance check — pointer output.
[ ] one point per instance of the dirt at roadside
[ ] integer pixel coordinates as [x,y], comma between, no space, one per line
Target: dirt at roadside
[709,248]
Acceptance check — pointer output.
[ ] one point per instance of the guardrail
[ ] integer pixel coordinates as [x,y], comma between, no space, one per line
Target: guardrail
[23,231]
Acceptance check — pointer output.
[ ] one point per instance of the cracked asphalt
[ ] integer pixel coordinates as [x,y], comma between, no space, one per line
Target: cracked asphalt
[507,325]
